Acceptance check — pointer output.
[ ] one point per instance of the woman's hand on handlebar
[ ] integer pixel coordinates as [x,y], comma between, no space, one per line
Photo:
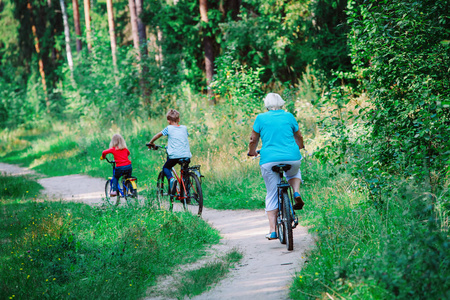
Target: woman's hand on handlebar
[151,146]
[253,153]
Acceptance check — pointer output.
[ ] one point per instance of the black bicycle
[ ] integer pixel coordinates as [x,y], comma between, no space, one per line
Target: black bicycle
[286,219]
[186,194]
[127,191]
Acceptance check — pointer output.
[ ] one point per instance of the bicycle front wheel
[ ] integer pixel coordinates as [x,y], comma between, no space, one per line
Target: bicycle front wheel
[287,220]
[194,198]
[163,198]
[110,200]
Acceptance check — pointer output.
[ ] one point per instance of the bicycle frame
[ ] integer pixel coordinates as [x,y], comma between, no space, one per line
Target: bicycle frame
[282,187]
[181,182]
[122,190]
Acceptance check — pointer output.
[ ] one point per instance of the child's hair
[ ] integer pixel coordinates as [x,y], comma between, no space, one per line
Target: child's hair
[118,142]
[173,115]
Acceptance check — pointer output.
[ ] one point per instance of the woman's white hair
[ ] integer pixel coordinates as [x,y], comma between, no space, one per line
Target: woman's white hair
[273,101]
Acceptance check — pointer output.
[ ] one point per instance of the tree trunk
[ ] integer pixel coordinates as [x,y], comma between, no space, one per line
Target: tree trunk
[141,29]
[208,48]
[112,31]
[76,19]
[66,34]
[37,47]
[134,28]
[87,18]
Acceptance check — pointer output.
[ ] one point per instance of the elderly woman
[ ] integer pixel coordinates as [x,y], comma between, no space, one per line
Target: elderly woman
[281,144]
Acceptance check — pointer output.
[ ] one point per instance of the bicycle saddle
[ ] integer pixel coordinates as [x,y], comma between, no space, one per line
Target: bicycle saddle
[184,160]
[281,168]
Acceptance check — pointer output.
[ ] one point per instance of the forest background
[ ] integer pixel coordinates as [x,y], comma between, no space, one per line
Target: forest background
[367,80]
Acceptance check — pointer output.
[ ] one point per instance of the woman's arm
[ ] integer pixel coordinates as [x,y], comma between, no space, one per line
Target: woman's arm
[254,139]
[299,139]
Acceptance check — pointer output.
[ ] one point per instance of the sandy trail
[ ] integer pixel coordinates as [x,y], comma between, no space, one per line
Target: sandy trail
[267,268]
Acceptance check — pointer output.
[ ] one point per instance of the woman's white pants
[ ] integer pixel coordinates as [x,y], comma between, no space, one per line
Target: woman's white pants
[272,179]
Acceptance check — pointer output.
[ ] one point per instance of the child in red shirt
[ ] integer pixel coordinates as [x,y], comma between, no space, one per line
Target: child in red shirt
[118,148]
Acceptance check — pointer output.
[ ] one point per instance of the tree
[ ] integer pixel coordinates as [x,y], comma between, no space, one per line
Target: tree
[141,28]
[112,31]
[37,46]
[208,47]
[134,28]
[67,35]
[76,19]
[87,19]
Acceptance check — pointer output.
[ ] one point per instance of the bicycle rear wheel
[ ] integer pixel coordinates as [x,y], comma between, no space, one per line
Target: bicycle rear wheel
[111,200]
[287,220]
[163,198]
[129,192]
[194,198]
[281,228]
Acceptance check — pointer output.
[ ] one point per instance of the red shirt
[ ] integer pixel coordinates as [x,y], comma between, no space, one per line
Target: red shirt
[120,156]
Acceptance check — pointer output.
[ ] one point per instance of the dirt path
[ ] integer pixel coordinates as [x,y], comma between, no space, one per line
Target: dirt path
[267,268]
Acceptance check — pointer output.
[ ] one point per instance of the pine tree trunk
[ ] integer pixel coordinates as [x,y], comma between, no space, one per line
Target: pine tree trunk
[76,19]
[112,31]
[208,48]
[87,19]
[134,28]
[141,29]
[37,47]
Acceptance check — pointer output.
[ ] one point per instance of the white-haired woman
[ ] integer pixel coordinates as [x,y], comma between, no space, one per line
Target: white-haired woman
[281,144]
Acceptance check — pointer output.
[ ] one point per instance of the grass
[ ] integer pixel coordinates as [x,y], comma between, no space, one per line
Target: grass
[71,250]
[195,282]
[19,187]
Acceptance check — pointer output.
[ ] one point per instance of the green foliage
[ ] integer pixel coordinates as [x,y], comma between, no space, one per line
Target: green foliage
[239,85]
[65,250]
[360,255]
[399,51]
[326,35]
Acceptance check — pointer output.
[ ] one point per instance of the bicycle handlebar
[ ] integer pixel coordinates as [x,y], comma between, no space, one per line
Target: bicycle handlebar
[257,151]
[110,161]
[155,147]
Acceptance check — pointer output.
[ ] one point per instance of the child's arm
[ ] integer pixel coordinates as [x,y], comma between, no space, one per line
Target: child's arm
[154,138]
[104,153]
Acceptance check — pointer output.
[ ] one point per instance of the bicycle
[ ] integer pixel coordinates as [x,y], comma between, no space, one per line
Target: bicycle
[286,218]
[127,191]
[186,194]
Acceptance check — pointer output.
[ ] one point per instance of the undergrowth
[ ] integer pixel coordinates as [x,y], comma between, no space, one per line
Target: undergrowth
[74,251]
[398,252]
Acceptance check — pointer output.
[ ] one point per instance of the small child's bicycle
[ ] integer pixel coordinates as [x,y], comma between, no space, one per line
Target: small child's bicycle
[186,194]
[128,190]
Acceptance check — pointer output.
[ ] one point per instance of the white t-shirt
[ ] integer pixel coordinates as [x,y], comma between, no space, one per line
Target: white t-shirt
[178,143]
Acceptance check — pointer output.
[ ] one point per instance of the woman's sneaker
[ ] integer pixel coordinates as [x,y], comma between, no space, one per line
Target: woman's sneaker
[271,236]
[113,194]
[298,201]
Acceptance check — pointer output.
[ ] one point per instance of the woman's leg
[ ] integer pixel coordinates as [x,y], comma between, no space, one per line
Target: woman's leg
[295,184]
[272,216]
[271,179]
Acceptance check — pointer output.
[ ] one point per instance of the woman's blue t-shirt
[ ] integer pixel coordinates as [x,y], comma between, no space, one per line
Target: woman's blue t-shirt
[276,129]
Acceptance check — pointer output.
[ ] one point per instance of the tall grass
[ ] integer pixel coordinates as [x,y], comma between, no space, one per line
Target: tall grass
[71,250]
